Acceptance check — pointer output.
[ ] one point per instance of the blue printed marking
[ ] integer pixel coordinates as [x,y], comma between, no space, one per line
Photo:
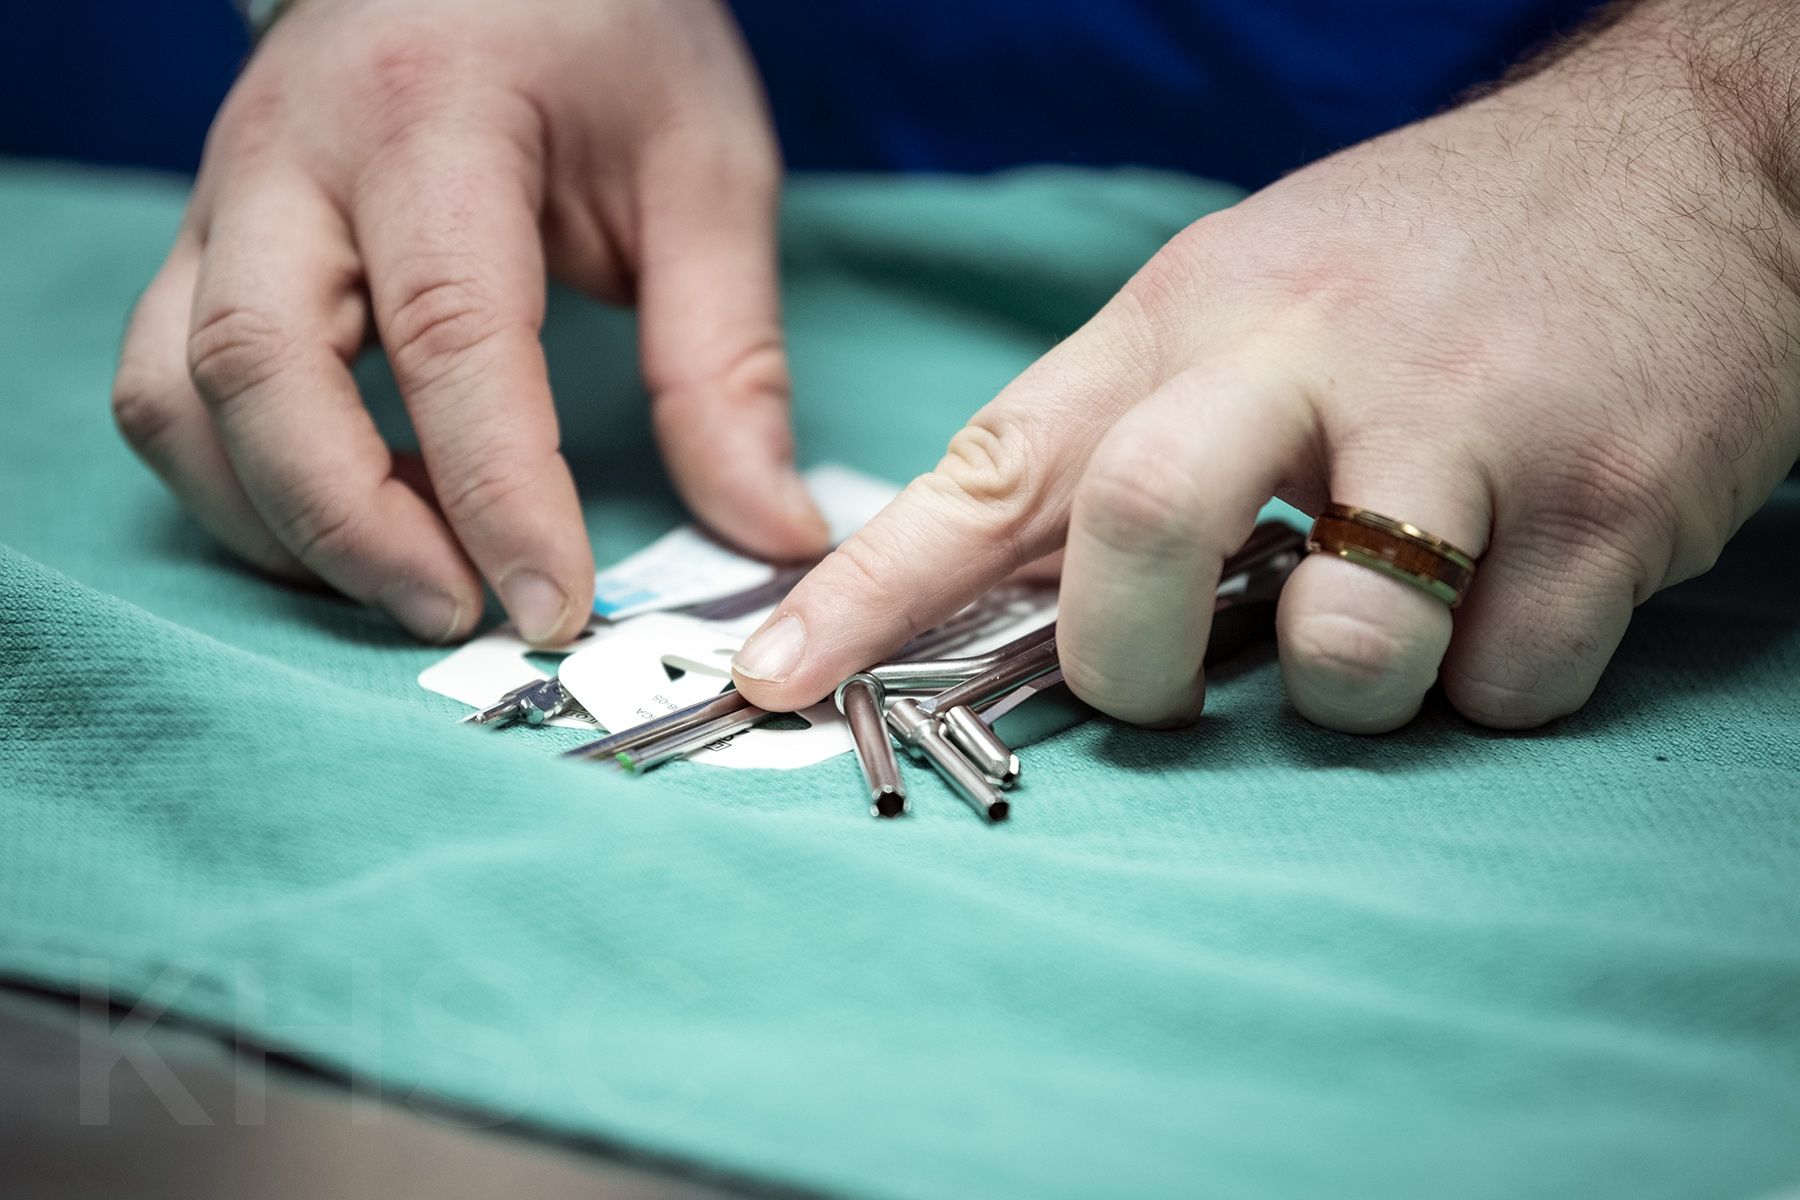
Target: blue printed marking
[606,606]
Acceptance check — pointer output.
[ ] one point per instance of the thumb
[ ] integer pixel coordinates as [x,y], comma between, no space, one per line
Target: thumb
[714,360]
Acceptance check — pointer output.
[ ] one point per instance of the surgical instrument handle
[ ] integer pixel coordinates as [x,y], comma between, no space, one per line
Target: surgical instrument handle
[681,720]
[647,755]
[1018,669]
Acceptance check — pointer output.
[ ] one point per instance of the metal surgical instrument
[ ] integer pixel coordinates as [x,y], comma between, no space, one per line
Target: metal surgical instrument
[932,674]
[1268,554]
[919,732]
[681,721]
[717,717]
[944,726]
[656,752]
[860,699]
[981,745]
[533,703]
[1014,671]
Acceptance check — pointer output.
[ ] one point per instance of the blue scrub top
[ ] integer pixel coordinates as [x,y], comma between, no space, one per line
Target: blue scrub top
[1238,89]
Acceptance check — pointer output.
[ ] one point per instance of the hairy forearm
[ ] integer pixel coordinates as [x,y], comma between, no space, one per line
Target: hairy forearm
[1742,62]
[1677,124]
[1723,75]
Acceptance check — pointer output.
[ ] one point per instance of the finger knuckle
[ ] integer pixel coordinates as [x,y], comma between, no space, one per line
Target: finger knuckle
[1166,281]
[1170,289]
[987,468]
[483,488]
[872,570]
[1603,501]
[234,348]
[321,528]
[1134,499]
[142,408]
[405,73]
[1603,484]
[743,381]
[249,122]
[438,322]
[1142,333]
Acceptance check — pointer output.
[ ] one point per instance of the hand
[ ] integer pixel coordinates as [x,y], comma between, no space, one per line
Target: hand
[417,165]
[1556,327]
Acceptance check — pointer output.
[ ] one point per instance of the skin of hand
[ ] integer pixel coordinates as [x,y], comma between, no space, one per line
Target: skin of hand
[1558,326]
[413,170]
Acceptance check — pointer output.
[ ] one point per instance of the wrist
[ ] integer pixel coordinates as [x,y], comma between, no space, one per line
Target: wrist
[1740,66]
[1692,109]
[1667,135]
[1742,70]
[1708,90]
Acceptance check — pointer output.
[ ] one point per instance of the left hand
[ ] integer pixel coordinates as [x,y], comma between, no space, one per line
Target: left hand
[414,170]
[1556,327]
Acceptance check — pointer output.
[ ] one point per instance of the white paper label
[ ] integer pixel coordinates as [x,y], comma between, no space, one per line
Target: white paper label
[635,661]
[483,669]
[624,680]
[688,566]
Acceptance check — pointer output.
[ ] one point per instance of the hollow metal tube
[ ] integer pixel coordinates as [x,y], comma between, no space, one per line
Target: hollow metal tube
[657,728]
[647,756]
[935,673]
[859,698]
[919,733]
[981,745]
[1016,671]
[1267,544]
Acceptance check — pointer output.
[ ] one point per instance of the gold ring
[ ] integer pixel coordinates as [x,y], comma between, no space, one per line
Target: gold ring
[1394,548]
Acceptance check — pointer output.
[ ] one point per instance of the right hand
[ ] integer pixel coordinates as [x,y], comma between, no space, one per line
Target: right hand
[414,166]
[1579,362]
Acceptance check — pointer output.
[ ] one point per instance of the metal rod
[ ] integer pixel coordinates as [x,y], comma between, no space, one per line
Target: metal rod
[919,732]
[646,756]
[859,698]
[679,721]
[1266,545]
[534,703]
[932,674]
[1016,671]
[981,745]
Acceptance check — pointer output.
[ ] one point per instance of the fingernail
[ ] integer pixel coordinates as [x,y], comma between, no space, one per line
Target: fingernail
[773,653]
[535,604]
[425,611]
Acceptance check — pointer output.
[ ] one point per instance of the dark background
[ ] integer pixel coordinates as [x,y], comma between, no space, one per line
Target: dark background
[1240,89]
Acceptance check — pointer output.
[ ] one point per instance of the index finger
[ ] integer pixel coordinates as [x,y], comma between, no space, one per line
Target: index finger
[456,274]
[998,499]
